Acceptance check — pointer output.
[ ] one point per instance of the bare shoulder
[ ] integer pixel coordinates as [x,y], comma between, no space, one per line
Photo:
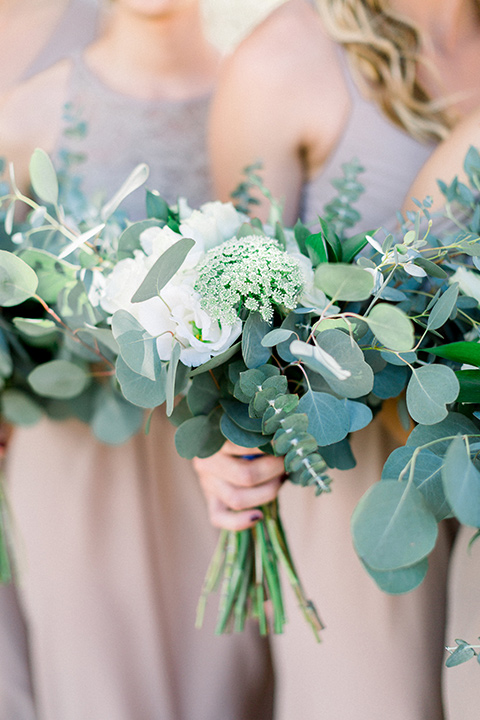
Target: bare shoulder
[288,46]
[31,114]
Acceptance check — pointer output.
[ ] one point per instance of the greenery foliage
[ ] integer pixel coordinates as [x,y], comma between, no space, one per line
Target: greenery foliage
[104,319]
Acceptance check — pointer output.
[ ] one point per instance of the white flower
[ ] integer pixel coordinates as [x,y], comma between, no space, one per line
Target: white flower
[155,241]
[178,315]
[250,272]
[468,281]
[214,223]
[124,281]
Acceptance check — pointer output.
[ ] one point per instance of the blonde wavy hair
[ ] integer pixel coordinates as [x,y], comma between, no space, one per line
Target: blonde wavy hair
[385,48]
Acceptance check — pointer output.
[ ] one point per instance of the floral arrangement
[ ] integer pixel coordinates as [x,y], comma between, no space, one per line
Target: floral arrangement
[281,339]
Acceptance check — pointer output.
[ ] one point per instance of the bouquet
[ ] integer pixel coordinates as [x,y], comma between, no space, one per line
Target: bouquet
[281,339]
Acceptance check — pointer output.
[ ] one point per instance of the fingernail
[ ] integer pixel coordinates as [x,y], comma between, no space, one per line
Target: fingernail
[251,457]
[255,517]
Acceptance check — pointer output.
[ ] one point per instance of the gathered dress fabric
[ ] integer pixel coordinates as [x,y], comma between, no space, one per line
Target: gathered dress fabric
[381,655]
[112,543]
[461,687]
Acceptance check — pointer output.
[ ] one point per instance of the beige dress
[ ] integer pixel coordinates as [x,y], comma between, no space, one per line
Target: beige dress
[461,684]
[381,655]
[112,543]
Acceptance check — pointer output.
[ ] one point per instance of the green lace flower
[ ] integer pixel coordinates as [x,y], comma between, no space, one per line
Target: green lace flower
[251,272]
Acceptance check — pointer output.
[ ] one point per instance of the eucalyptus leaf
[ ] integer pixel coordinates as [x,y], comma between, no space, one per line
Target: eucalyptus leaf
[18,281]
[53,274]
[392,527]
[163,270]
[440,434]
[276,336]
[129,240]
[442,309]
[203,395]
[136,179]
[347,354]
[171,376]
[461,480]
[216,361]
[58,379]
[359,413]
[43,177]
[430,389]
[399,582]
[136,346]
[339,455]
[254,352]
[238,413]
[344,282]
[391,327]
[461,654]
[6,362]
[238,435]
[427,476]
[18,408]
[328,418]
[114,420]
[199,436]
[390,381]
[35,327]
[138,389]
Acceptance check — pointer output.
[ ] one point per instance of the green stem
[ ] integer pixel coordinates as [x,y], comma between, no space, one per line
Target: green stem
[212,577]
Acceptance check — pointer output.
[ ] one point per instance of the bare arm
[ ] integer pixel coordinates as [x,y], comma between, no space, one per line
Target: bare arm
[446,162]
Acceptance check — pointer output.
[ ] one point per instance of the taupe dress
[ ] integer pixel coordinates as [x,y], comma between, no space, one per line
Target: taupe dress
[112,543]
[381,655]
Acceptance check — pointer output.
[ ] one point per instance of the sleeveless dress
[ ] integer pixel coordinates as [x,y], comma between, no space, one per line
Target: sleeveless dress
[381,655]
[113,543]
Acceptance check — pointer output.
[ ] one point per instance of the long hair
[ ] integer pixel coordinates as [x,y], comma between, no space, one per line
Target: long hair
[385,48]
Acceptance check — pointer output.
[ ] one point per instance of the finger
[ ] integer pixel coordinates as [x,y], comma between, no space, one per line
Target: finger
[239,471]
[223,518]
[239,498]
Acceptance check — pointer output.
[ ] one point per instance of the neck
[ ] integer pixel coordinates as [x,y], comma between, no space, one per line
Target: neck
[444,24]
[159,55]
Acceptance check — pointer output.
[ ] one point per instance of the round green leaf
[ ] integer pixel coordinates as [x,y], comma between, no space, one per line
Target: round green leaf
[137,347]
[239,436]
[391,327]
[399,582]
[114,419]
[454,424]
[19,409]
[43,177]
[391,526]
[430,389]
[58,379]
[199,437]
[18,281]
[427,476]
[138,389]
[344,282]
[328,418]
[461,480]
[347,355]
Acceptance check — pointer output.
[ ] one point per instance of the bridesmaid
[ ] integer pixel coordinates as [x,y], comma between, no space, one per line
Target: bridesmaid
[34,34]
[305,93]
[461,689]
[112,543]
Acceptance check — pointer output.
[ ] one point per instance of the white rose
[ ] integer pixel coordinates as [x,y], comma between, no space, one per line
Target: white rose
[179,315]
[468,281]
[214,223]
[155,241]
[124,281]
